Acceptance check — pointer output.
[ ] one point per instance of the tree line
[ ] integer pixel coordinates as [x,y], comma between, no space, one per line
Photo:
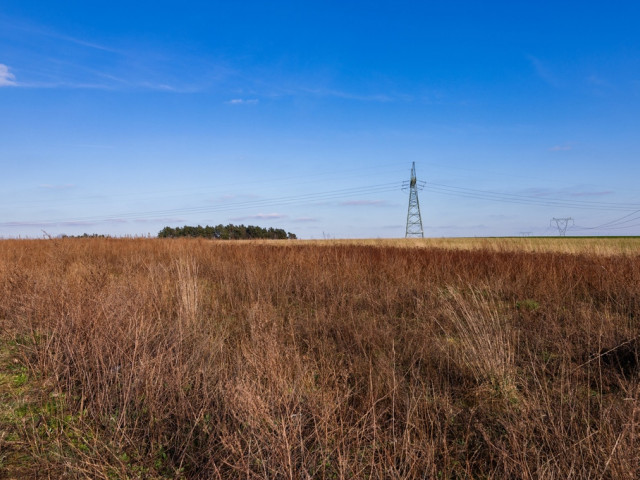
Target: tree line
[227,232]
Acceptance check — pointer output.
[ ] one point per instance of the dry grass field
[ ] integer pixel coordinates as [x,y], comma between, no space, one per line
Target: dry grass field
[585,245]
[443,359]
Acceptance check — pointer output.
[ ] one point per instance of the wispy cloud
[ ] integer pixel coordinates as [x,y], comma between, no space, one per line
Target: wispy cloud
[543,71]
[90,145]
[159,220]
[116,220]
[479,226]
[54,83]
[597,81]
[565,147]
[82,42]
[242,101]
[355,203]
[261,216]
[27,224]
[63,84]
[597,193]
[70,223]
[310,87]
[328,92]
[538,192]
[78,224]
[70,62]
[576,191]
[32,29]
[234,196]
[65,186]
[7,79]
[75,60]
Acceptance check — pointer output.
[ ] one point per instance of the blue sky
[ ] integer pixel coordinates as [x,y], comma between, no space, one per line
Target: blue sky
[124,117]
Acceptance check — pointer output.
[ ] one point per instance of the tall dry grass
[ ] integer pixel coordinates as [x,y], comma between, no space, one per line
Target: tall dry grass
[601,246]
[200,359]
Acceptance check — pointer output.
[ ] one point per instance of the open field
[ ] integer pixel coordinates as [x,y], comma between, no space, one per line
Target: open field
[584,245]
[463,358]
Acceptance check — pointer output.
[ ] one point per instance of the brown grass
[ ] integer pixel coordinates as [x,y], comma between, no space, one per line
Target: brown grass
[201,359]
[601,246]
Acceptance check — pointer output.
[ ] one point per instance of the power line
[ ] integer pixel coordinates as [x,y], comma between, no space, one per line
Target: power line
[613,227]
[301,179]
[625,221]
[615,223]
[526,199]
[618,223]
[279,201]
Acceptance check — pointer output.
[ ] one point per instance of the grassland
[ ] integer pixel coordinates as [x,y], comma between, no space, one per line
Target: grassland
[466,358]
[601,246]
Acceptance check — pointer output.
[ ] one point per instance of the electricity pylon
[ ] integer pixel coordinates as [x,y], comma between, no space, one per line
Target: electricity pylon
[414,220]
[562,224]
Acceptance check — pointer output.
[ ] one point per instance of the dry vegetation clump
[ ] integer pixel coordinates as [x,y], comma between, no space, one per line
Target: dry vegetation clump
[203,359]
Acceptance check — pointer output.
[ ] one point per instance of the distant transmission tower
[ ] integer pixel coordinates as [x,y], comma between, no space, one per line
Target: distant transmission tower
[414,220]
[562,224]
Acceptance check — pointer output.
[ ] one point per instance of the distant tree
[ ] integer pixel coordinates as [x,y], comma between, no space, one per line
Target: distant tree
[226,232]
[84,235]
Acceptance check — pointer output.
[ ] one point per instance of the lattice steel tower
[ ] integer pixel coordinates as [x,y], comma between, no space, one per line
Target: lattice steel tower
[414,220]
[562,224]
